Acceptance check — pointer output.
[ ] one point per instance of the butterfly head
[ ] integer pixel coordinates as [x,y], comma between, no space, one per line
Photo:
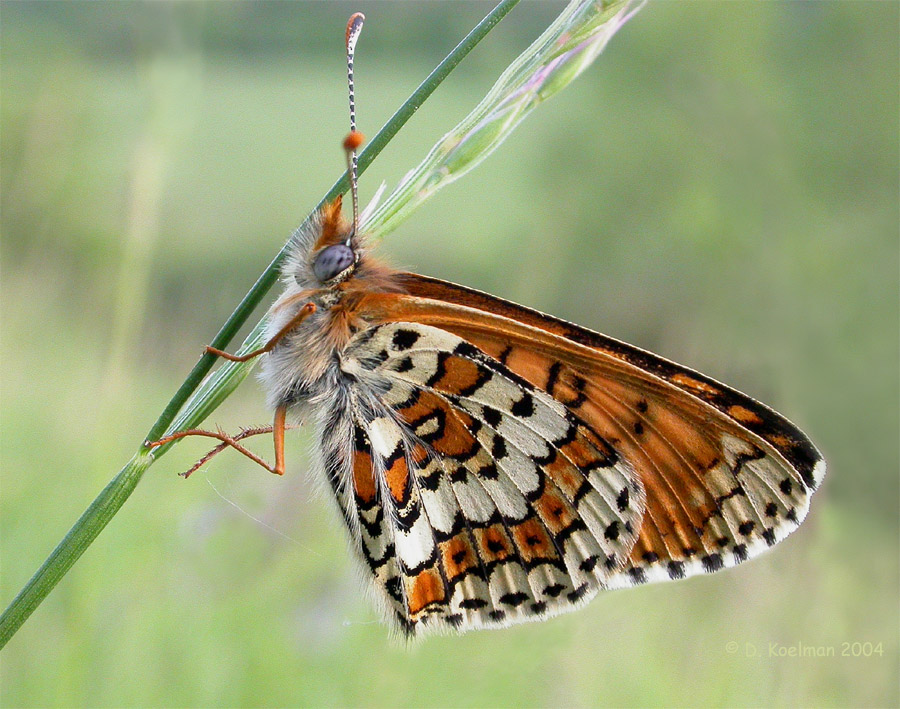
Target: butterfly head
[333,261]
[329,258]
[335,254]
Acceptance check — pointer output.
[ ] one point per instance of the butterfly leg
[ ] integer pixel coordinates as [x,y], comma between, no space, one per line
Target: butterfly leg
[278,435]
[277,429]
[304,313]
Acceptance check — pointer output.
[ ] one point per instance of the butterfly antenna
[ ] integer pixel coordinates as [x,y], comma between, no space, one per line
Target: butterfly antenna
[354,139]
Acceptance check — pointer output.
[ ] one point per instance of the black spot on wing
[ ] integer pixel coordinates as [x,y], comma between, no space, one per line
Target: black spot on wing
[513,599]
[459,475]
[404,365]
[589,563]
[433,480]
[578,593]
[734,492]
[553,377]
[675,570]
[469,351]
[744,458]
[579,383]
[637,575]
[498,448]
[554,590]
[622,500]
[524,407]
[393,586]
[491,416]
[612,531]
[454,619]
[431,426]
[473,603]
[404,339]
[489,472]
[712,562]
[570,436]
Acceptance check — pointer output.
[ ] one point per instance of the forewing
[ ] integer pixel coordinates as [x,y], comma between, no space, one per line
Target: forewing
[724,476]
[500,506]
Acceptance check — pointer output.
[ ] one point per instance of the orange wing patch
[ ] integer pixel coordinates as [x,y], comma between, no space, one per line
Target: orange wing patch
[457,376]
[363,479]
[745,415]
[688,382]
[493,543]
[444,430]
[533,542]
[397,476]
[557,513]
[459,557]
[423,590]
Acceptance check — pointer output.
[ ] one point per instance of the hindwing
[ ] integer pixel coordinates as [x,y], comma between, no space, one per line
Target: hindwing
[498,504]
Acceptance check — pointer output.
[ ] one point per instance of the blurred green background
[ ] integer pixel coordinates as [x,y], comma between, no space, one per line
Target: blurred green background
[721,188]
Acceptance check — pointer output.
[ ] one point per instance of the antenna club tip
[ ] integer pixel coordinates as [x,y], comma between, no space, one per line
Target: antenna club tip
[354,25]
[353,140]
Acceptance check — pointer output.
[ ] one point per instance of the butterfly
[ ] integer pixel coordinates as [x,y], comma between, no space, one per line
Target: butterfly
[494,464]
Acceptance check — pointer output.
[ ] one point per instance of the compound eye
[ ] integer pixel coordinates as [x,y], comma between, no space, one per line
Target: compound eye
[332,261]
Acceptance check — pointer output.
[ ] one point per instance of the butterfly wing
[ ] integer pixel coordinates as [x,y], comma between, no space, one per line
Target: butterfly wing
[719,477]
[477,498]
